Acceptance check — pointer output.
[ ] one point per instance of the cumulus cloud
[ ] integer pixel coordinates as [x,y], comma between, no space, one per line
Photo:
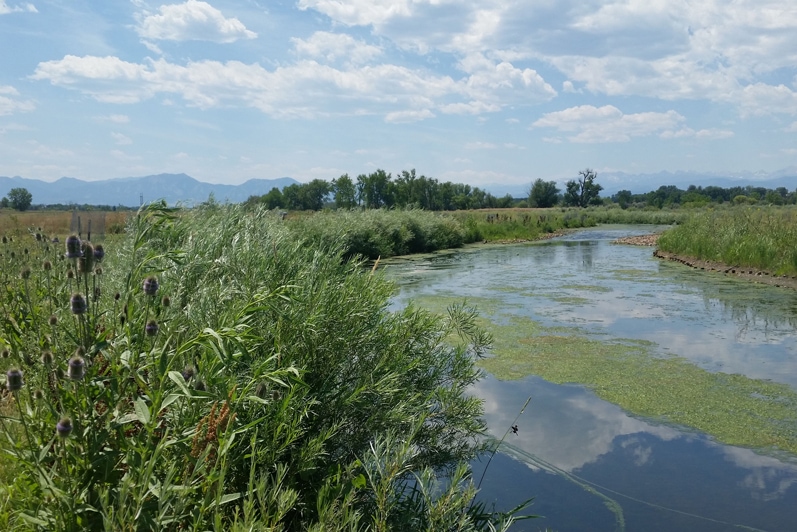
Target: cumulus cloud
[589,124]
[706,134]
[192,20]
[331,47]
[10,102]
[306,88]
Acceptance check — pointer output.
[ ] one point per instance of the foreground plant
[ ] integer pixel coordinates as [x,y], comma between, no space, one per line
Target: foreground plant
[236,379]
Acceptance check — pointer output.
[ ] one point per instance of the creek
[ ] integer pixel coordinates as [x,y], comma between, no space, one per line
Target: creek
[662,398]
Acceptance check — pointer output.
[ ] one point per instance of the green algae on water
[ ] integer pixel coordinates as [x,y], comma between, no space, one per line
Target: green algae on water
[633,374]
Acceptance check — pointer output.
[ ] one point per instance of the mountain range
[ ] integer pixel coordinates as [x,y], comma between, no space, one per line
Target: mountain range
[132,191]
[184,189]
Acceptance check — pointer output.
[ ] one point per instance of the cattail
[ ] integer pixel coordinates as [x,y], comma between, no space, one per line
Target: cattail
[64,427]
[99,253]
[151,328]
[78,304]
[151,285]
[47,358]
[13,380]
[73,247]
[77,368]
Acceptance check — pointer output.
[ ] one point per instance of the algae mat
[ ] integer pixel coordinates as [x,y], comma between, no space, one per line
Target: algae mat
[632,374]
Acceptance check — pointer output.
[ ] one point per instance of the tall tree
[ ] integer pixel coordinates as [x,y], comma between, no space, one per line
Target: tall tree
[19,198]
[543,194]
[345,193]
[583,191]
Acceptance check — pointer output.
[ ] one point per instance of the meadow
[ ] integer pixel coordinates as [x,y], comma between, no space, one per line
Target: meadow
[209,370]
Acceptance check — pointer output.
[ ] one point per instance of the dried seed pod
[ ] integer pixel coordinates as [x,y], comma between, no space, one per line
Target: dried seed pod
[13,380]
[64,427]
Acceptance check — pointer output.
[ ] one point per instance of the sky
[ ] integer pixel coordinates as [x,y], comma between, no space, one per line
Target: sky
[469,91]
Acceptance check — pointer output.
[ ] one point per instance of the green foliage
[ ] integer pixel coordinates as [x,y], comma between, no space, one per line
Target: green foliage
[583,191]
[543,194]
[19,198]
[220,373]
[763,238]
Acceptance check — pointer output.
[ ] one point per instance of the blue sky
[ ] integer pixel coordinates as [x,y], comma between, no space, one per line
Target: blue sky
[471,91]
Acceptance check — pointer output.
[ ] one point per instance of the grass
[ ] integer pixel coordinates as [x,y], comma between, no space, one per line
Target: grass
[215,371]
[758,237]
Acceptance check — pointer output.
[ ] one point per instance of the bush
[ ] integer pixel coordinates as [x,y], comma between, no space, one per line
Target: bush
[217,372]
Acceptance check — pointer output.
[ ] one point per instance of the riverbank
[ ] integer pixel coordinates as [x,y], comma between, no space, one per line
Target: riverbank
[749,274]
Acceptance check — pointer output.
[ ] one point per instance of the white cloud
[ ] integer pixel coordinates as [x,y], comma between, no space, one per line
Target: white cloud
[706,134]
[10,103]
[607,124]
[792,128]
[408,116]
[335,46]
[359,12]
[120,139]
[469,108]
[5,9]
[193,20]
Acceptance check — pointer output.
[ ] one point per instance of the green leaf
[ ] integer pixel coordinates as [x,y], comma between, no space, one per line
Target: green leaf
[178,379]
[359,481]
[142,411]
[169,400]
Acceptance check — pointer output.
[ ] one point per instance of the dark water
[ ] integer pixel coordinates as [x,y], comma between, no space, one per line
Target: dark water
[588,464]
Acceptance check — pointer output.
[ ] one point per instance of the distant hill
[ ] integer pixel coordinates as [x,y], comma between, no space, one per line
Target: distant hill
[613,182]
[127,191]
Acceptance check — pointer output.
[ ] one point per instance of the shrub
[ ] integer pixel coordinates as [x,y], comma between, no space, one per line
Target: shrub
[216,371]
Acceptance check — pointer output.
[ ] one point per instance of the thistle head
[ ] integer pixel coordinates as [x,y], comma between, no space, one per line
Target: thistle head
[78,304]
[64,427]
[151,285]
[77,368]
[151,328]
[73,247]
[13,380]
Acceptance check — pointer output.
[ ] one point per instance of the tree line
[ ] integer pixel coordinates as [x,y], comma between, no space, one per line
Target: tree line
[381,189]
[672,196]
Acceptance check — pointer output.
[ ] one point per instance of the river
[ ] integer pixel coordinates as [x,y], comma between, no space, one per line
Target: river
[588,463]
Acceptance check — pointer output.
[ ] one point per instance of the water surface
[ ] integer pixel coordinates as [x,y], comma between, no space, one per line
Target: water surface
[589,464]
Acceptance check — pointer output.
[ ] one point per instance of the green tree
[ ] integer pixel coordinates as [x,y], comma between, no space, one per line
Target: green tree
[583,191]
[345,192]
[624,198]
[4,203]
[543,194]
[20,198]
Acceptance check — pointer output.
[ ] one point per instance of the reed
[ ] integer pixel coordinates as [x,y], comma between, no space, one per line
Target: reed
[758,237]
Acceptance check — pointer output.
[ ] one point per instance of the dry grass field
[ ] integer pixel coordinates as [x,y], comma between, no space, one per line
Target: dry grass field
[59,223]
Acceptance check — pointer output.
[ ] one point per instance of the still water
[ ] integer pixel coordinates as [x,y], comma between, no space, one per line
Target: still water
[588,464]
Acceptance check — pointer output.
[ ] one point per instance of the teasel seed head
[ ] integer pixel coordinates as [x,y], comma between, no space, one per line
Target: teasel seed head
[189,372]
[5,353]
[151,285]
[64,427]
[200,386]
[47,358]
[38,237]
[73,247]
[116,296]
[25,273]
[98,270]
[166,302]
[13,380]
[38,395]
[47,265]
[78,304]
[99,253]
[97,293]
[151,328]
[86,262]
[70,273]
[77,368]
[53,320]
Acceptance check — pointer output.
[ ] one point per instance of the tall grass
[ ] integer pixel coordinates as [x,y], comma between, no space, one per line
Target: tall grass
[757,237]
[217,372]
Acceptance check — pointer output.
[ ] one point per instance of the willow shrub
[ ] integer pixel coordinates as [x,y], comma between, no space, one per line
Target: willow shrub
[758,237]
[383,233]
[214,371]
